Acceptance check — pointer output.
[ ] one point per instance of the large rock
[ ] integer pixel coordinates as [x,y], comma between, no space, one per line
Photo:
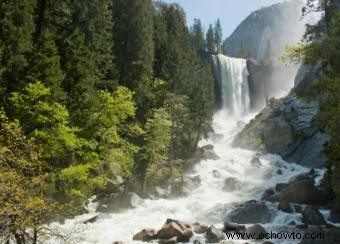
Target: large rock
[312,216]
[227,227]
[116,201]
[231,184]
[250,212]
[214,235]
[174,228]
[145,235]
[301,192]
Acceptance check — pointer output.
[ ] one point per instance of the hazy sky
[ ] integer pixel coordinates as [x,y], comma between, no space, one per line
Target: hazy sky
[230,12]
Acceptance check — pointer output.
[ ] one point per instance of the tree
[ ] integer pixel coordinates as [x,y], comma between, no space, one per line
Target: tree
[218,36]
[45,65]
[109,126]
[16,30]
[197,35]
[23,207]
[133,45]
[210,40]
[156,149]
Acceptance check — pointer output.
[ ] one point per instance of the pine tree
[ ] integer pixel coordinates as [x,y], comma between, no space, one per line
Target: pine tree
[210,40]
[197,35]
[218,36]
[16,31]
[133,44]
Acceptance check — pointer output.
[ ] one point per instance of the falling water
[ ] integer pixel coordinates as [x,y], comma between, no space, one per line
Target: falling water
[232,75]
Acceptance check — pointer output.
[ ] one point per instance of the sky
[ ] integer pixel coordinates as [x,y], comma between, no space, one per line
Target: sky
[230,12]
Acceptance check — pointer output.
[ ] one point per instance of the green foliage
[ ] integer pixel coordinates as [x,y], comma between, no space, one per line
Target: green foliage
[156,149]
[210,40]
[23,207]
[218,36]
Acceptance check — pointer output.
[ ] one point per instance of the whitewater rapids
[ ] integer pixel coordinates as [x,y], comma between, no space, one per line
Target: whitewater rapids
[207,204]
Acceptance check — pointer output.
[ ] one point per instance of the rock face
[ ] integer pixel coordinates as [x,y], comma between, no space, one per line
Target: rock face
[268,79]
[288,128]
[268,24]
[250,213]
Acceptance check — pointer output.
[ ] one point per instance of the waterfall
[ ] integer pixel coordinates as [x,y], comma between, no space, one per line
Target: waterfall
[232,75]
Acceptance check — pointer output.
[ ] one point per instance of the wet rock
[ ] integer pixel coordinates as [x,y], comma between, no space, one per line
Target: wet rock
[335,215]
[200,229]
[145,235]
[267,194]
[198,242]
[311,175]
[228,227]
[302,192]
[256,230]
[286,127]
[214,235]
[231,184]
[256,162]
[285,207]
[117,242]
[312,216]
[302,226]
[280,186]
[279,172]
[174,228]
[250,212]
[91,220]
[216,173]
[216,137]
[267,242]
[118,201]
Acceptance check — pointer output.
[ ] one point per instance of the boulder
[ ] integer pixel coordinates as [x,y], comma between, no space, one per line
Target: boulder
[214,235]
[216,173]
[280,186]
[335,215]
[231,184]
[207,153]
[256,162]
[174,228]
[250,212]
[267,194]
[145,235]
[279,172]
[228,227]
[257,231]
[118,201]
[312,216]
[216,137]
[285,207]
[301,192]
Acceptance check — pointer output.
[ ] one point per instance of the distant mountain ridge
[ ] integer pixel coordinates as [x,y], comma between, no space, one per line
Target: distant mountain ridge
[275,26]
